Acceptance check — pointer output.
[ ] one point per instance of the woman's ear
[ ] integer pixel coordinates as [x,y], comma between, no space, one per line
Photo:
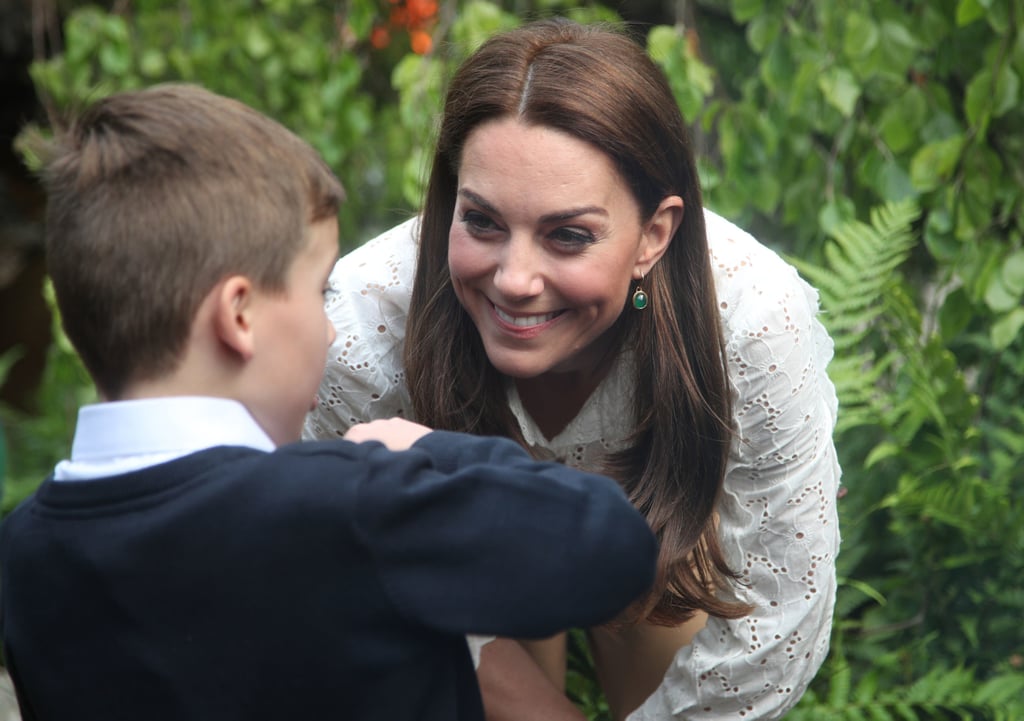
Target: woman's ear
[233,315]
[658,233]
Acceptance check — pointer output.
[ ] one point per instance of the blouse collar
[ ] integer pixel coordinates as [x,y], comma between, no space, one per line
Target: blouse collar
[606,417]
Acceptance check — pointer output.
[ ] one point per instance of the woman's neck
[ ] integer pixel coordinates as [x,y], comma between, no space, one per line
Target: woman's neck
[554,399]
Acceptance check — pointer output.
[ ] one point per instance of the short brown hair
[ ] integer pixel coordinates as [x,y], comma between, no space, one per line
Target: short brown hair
[156,195]
[597,84]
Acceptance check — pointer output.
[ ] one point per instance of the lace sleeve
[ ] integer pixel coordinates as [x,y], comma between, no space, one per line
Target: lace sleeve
[778,518]
[367,301]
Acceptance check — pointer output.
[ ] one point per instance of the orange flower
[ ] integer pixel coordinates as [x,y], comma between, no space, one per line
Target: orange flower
[380,37]
[420,10]
[421,41]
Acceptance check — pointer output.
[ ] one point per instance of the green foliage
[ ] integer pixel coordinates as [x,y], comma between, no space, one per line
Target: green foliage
[819,114]
[940,694]
[944,589]
[302,62]
[858,291]
[37,441]
[581,681]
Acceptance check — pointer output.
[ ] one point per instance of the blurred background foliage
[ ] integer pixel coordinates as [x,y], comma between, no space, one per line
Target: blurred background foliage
[878,144]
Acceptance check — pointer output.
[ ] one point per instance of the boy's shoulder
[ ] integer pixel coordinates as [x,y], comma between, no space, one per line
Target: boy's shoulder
[206,477]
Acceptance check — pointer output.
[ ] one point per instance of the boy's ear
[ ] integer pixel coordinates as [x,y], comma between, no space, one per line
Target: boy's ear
[234,315]
[658,233]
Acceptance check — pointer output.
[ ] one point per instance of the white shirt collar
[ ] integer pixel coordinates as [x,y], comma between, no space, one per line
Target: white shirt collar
[124,436]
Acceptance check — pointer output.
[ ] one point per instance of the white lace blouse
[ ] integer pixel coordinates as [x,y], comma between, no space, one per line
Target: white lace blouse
[778,516]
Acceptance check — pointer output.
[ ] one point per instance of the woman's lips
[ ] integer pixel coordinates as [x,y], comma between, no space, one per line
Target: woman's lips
[525,321]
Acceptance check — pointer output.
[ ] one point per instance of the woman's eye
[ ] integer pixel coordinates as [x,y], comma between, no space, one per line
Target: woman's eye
[477,222]
[574,238]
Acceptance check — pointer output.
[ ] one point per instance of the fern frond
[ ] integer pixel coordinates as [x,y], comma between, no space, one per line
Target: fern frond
[862,257]
[942,693]
[856,287]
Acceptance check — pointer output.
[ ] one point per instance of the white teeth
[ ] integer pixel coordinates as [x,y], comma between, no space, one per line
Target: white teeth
[523,321]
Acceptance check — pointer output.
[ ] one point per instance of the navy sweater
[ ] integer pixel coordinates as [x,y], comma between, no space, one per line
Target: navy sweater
[324,580]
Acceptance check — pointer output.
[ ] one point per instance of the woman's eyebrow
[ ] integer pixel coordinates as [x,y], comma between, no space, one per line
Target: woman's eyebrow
[555,217]
[478,199]
[571,213]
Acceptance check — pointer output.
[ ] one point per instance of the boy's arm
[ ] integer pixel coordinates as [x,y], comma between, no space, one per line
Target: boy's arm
[471,535]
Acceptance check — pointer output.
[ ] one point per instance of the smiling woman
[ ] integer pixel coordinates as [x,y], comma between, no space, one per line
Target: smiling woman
[545,242]
[562,179]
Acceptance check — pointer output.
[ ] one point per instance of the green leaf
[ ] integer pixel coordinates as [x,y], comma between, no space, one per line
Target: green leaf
[153,63]
[840,89]
[413,177]
[595,13]
[933,164]
[967,11]
[360,18]
[763,31]
[81,34]
[836,213]
[881,452]
[1013,273]
[700,76]
[898,47]
[182,62]
[865,588]
[745,10]
[477,21]
[28,144]
[1007,91]
[998,297]
[115,59]
[662,42]
[1001,690]
[939,238]
[999,16]
[257,42]
[304,59]
[1006,329]
[115,29]
[989,96]
[932,25]
[860,36]
[408,71]
[777,68]
[893,182]
[955,314]
[901,120]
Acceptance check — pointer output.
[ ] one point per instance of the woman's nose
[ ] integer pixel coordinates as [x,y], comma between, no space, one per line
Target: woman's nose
[519,272]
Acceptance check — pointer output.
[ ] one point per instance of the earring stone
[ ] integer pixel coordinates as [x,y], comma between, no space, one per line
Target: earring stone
[639,298]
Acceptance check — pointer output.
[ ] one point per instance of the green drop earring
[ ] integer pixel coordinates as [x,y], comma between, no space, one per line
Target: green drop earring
[639,296]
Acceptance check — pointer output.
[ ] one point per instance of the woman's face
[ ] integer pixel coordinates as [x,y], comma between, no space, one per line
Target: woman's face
[545,239]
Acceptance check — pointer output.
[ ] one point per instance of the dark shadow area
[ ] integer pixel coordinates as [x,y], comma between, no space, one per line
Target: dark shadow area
[25,319]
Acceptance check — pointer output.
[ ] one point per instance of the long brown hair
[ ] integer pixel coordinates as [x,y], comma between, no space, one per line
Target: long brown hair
[598,85]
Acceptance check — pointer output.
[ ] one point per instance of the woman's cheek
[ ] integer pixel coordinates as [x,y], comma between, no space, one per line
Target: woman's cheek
[466,259]
[457,256]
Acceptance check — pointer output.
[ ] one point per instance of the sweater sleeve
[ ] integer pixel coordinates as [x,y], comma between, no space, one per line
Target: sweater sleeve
[778,519]
[471,535]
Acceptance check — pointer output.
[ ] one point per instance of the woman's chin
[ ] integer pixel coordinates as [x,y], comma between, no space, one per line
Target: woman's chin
[518,369]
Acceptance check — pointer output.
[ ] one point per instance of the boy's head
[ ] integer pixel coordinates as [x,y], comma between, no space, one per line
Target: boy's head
[157,196]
